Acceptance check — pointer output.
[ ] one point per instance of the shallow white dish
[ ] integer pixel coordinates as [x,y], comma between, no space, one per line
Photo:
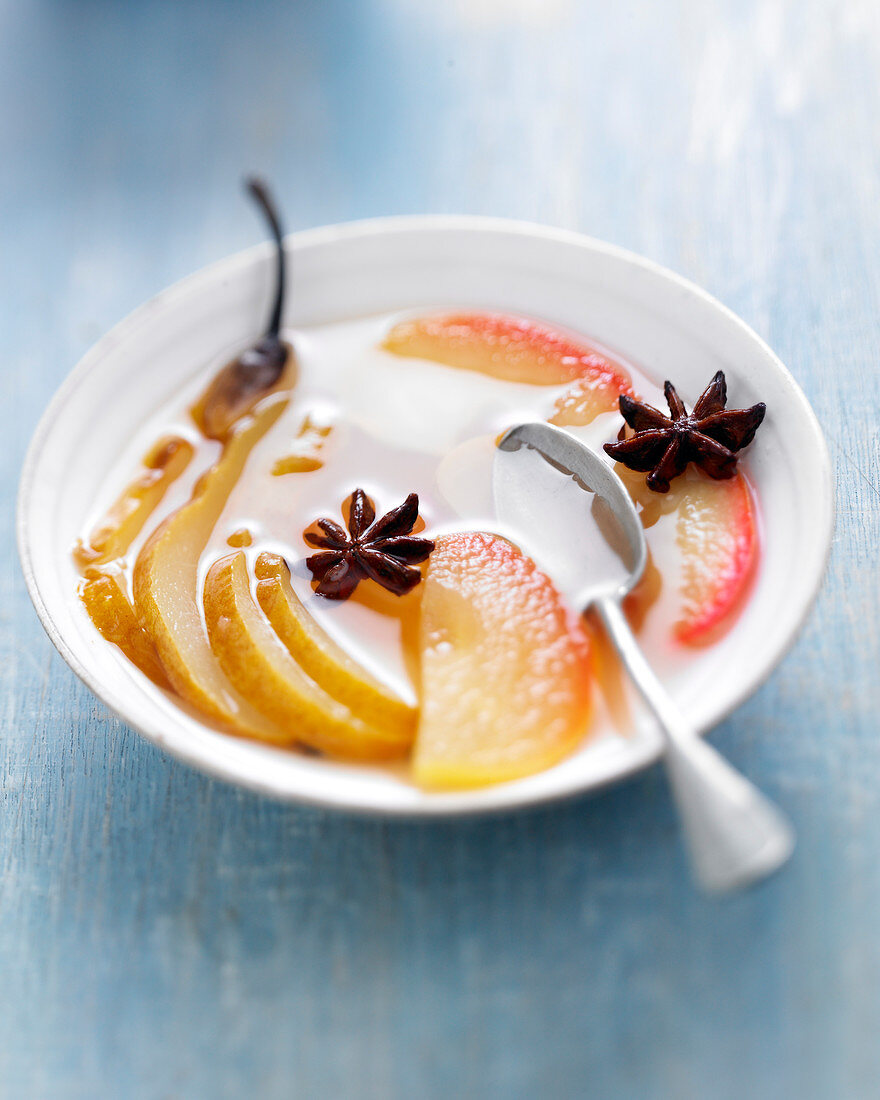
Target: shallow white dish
[651,316]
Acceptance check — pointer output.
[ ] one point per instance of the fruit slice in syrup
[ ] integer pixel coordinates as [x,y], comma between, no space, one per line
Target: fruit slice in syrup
[506,670]
[264,672]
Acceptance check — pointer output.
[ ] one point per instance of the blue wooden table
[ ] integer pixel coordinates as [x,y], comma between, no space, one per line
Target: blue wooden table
[163,935]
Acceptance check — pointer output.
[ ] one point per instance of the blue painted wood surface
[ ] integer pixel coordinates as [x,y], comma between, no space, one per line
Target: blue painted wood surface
[163,935]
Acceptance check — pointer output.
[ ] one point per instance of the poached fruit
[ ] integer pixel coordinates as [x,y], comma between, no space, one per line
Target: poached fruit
[513,349]
[166,589]
[105,599]
[717,534]
[322,658]
[265,674]
[503,671]
[718,544]
[505,667]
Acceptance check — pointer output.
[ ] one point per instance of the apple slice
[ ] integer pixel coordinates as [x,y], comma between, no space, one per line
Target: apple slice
[598,391]
[261,668]
[321,658]
[511,348]
[162,465]
[506,668]
[107,603]
[717,540]
[717,534]
[166,589]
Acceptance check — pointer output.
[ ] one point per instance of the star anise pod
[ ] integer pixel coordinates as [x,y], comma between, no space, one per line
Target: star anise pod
[384,551]
[709,436]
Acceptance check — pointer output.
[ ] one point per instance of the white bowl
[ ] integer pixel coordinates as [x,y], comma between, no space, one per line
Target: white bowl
[658,320]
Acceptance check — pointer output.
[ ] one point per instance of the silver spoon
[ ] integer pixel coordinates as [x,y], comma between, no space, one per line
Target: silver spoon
[555,493]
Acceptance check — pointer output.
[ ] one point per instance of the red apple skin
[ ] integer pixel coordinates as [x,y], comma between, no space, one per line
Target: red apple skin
[719,538]
[515,349]
[597,391]
[506,668]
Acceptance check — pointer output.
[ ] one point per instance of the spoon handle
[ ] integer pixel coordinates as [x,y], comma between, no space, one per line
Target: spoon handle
[734,834]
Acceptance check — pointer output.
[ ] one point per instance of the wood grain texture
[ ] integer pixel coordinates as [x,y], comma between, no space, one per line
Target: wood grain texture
[163,935]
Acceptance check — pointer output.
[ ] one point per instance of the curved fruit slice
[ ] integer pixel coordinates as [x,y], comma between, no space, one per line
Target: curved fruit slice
[264,672]
[506,669]
[109,608]
[596,392]
[321,658]
[717,535]
[163,463]
[512,348]
[166,589]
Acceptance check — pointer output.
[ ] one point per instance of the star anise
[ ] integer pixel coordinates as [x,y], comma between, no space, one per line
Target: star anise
[384,551]
[664,445]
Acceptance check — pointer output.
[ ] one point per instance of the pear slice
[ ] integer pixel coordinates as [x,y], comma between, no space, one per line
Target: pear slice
[321,658]
[265,673]
[166,590]
[111,538]
[107,603]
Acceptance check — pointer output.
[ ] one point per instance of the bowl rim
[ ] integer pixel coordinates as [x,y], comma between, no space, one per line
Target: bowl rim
[500,797]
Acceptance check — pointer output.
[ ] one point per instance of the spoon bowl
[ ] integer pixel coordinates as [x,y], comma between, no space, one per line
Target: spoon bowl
[606,520]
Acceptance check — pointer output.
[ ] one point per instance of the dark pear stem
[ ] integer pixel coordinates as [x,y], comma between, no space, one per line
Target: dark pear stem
[237,387]
[261,193]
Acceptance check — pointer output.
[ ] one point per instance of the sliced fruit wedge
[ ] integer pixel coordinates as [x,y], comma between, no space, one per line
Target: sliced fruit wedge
[596,392]
[511,348]
[109,608]
[506,669]
[717,538]
[264,672]
[166,589]
[162,465]
[717,534]
[321,658]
